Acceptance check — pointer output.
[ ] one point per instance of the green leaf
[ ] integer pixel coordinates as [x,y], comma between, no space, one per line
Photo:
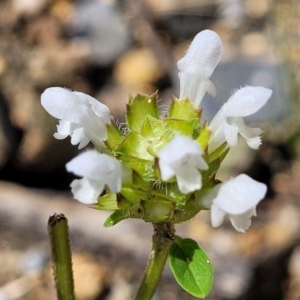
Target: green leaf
[138,108]
[191,267]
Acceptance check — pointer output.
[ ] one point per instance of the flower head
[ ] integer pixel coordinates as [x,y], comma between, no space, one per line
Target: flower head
[81,116]
[97,171]
[238,198]
[182,158]
[196,67]
[228,122]
[156,165]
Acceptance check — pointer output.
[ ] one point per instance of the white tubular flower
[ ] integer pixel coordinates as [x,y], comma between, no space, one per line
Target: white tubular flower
[236,198]
[182,158]
[97,170]
[228,122]
[196,67]
[81,116]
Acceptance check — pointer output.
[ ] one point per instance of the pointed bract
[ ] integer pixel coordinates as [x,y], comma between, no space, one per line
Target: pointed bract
[81,116]
[196,67]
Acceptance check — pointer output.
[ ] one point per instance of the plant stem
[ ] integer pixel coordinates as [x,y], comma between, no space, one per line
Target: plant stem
[161,241]
[61,256]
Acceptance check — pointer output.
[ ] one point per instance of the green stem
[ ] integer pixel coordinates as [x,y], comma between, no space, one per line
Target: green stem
[61,256]
[161,241]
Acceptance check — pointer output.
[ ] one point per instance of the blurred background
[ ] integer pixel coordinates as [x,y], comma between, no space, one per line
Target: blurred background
[109,49]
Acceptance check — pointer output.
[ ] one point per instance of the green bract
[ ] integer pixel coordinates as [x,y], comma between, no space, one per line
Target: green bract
[144,195]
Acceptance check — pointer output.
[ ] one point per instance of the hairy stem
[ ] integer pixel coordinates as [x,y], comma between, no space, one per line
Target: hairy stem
[161,241]
[61,256]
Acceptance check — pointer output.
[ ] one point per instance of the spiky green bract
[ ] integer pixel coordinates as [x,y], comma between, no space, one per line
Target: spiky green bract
[138,108]
[144,194]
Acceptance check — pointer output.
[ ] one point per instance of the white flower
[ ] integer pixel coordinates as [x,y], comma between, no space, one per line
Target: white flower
[97,170]
[228,122]
[238,198]
[82,117]
[196,67]
[182,158]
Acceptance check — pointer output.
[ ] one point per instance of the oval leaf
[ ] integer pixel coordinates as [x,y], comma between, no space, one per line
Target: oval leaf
[191,267]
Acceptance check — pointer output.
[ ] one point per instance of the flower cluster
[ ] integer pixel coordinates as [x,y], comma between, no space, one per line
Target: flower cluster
[163,168]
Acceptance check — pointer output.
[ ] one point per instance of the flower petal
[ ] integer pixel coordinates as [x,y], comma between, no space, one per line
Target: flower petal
[188,180]
[114,176]
[252,135]
[242,222]
[246,101]
[77,110]
[179,148]
[217,216]
[231,133]
[84,142]
[198,64]
[65,128]
[98,108]
[64,104]
[211,89]
[166,171]
[228,121]
[182,158]
[204,52]
[94,128]
[86,190]
[192,86]
[240,195]
[206,198]
[77,136]
[97,166]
